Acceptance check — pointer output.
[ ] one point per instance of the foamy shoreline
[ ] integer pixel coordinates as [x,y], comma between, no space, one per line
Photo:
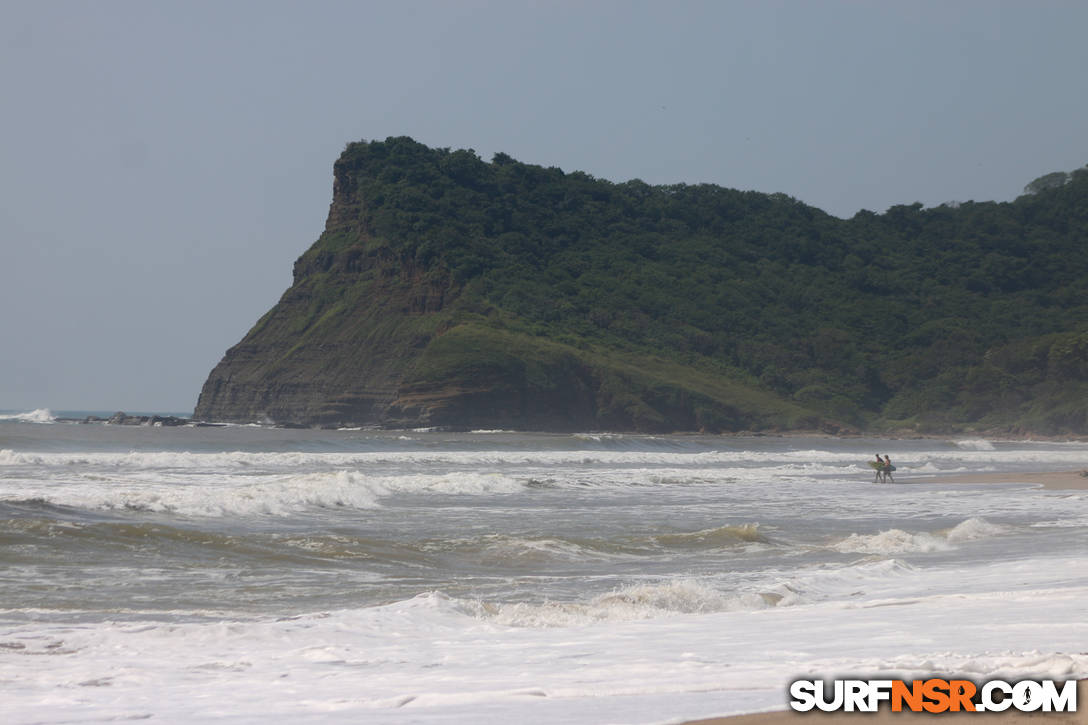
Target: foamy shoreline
[1053,480]
[180,574]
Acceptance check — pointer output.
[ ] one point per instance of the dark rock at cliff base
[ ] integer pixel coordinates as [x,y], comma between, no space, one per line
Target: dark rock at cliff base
[121,418]
[450,292]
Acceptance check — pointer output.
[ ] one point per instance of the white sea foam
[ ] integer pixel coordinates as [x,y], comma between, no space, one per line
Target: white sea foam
[684,596]
[40,415]
[892,541]
[897,541]
[974,528]
[434,658]
[777,463]
[635,602]
[273,495]
[640,466]
[501,550]
[584,586]
[839,583]
[929,468]
[975,444]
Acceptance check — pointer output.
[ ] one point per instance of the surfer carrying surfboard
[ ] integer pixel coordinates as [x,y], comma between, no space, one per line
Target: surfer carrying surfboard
[883,467]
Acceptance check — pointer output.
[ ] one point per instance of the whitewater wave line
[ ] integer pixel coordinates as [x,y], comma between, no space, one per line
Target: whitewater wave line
[655,599]
[40,415]
[898,541]
[492,549]
[281,495]
[278,460]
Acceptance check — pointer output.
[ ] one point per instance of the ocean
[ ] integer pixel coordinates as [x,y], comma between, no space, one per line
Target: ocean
[252,575]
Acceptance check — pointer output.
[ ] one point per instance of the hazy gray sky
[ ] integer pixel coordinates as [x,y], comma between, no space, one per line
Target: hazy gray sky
[162,164]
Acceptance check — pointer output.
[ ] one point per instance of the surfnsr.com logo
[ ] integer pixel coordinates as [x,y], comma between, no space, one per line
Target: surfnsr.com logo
[933,695]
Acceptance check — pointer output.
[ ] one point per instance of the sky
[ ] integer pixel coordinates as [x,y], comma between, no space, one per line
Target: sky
[162,164]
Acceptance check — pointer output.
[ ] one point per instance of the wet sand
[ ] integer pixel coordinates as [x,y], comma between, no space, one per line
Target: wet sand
[1055,480]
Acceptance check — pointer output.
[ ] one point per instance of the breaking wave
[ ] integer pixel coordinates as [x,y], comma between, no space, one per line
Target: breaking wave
[682,596]
[640,601]
[526,551]
[505,550]
[40,415]
[280,495]
[897,541]
[762,463]
[892,541]
[974,528]
[975,444]
[721,536]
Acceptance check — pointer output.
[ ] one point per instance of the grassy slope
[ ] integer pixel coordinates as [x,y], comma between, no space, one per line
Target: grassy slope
[539,377]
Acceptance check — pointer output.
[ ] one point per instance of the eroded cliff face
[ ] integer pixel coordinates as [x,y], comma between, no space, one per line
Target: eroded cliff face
[369,335]
[345,343]
[365,338]
[337,346]
[334,350]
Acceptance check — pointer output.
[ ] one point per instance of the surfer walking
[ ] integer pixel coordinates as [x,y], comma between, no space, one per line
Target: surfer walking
[883,467]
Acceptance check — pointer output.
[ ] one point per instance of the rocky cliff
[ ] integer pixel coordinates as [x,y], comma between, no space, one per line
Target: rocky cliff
[447,291]
[369,335]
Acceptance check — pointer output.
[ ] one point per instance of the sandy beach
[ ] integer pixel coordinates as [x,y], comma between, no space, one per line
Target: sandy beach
[1054,480]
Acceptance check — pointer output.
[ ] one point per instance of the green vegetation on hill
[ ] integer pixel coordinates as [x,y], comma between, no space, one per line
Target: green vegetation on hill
[542,299]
